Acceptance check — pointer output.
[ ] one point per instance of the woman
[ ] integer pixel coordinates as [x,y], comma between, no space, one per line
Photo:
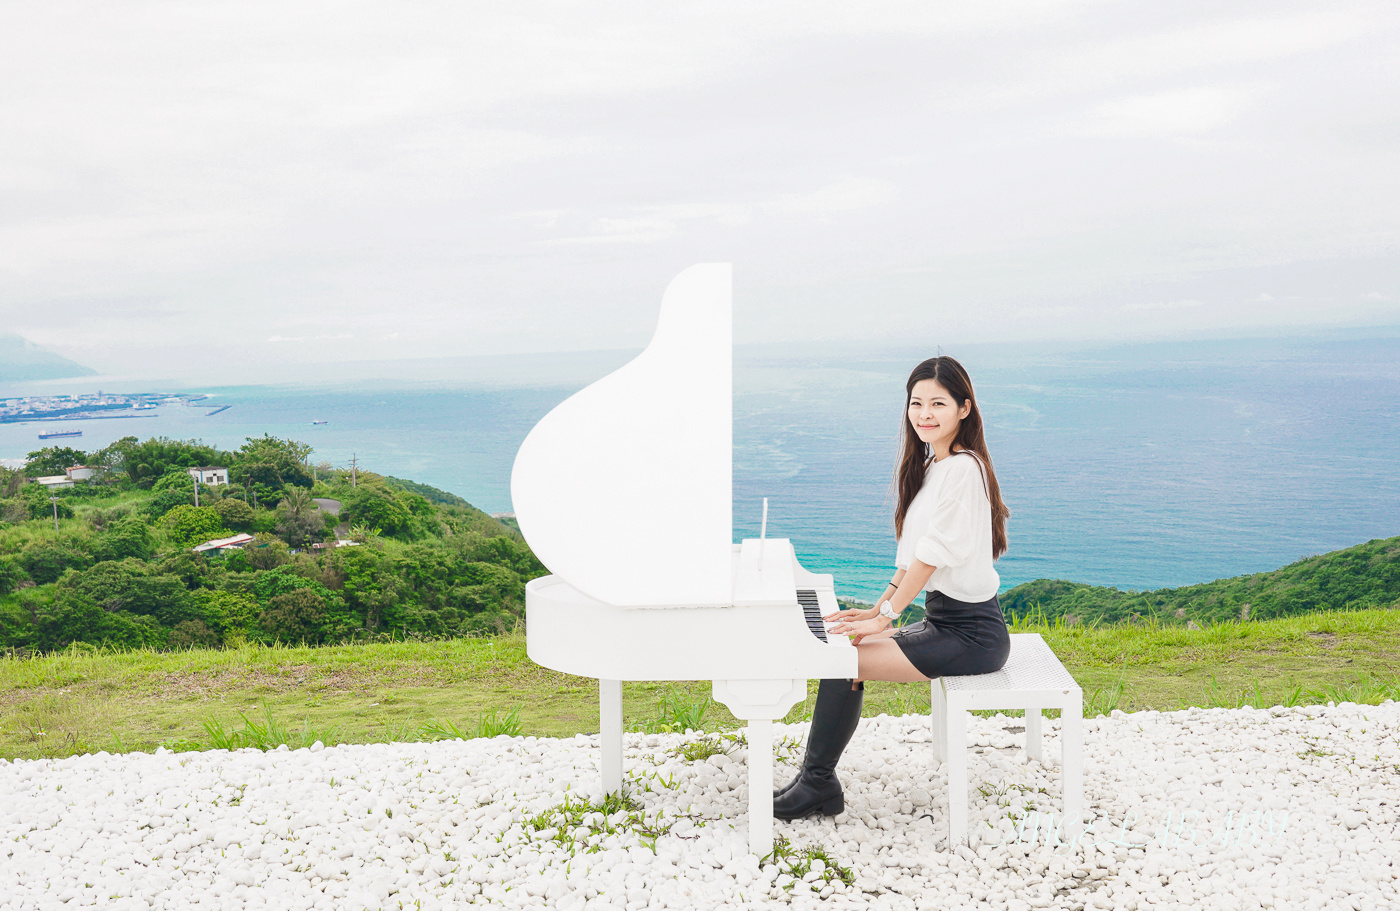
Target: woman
[951,525]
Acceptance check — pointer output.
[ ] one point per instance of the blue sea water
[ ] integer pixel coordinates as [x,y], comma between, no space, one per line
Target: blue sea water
[1138,466]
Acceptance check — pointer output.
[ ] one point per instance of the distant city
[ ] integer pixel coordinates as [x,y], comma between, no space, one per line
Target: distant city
[90,405]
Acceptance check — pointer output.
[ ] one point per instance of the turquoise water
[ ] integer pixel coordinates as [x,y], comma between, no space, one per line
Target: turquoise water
[1141,466]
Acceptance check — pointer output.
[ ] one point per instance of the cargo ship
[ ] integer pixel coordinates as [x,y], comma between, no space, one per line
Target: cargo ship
[61,435]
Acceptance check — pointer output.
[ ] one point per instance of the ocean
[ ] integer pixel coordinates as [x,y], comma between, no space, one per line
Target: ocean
[1139,466]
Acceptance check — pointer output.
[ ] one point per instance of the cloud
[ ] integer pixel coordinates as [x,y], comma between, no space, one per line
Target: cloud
[622,231]
[1166,305]
[486,177]
[1182,111]
[851,194]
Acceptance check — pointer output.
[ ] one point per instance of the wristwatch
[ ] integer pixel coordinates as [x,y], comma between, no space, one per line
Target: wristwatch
[887,610]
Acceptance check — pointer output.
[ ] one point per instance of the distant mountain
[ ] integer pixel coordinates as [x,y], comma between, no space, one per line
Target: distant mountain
[24,360]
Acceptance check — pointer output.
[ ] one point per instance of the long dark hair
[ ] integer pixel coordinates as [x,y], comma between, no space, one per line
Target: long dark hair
[913,460]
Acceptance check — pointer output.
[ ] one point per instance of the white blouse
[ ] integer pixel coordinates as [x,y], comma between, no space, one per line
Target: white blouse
[949,527]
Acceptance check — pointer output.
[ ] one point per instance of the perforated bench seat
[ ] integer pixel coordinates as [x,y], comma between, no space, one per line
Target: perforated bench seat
[1032,679]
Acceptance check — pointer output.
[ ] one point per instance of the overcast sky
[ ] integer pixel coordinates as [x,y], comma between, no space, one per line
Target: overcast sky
[217,187]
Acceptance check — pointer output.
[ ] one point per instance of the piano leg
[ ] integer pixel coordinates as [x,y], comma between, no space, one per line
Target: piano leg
[760,736]
[610,733]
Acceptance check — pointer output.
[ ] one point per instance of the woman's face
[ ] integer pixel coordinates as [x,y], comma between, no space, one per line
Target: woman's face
[935,414]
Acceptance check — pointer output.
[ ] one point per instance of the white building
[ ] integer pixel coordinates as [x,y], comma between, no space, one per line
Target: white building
[52,481]
[210,477]
[79,472]
[233,543]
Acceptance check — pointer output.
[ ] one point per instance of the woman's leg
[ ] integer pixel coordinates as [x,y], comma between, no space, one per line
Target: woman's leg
[883,659]
[816,789]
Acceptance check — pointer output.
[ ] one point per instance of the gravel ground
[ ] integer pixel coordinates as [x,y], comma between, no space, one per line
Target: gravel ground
[1247,808]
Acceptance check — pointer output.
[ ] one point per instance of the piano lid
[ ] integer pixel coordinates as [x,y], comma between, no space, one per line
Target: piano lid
[624,490]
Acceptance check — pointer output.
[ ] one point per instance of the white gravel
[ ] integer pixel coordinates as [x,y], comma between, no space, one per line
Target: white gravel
[440,825]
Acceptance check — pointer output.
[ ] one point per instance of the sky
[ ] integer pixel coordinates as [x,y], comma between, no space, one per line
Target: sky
[231,191]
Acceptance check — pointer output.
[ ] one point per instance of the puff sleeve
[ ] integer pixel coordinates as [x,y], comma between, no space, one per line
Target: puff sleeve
[951,537]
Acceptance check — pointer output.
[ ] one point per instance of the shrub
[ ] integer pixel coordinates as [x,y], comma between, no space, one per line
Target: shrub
[75,618]
[191,525]
[230,614]
[10,575]
[37,498]
[166,500]
[376,507]
[128,537]
[46,561]
[193,634]
[129,586]
[16,625]
[234,513]
[296,616]
[265,552]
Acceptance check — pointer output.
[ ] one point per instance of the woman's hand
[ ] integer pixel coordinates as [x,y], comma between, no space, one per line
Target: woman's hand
[852,615]
[860,629]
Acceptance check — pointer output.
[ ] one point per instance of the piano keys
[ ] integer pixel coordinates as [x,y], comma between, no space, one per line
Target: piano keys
[624,492]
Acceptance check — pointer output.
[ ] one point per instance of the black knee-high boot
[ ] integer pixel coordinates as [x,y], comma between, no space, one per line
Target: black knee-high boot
[816,788]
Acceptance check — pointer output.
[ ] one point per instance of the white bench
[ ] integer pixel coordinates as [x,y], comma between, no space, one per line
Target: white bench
[1032,679]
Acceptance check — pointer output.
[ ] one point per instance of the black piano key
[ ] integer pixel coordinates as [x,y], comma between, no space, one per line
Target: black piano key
[812,612]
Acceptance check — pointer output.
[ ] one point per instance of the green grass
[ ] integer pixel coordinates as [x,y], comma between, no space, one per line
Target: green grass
[87,699]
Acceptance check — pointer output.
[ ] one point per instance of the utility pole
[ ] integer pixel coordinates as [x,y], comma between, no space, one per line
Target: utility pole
[354,471]
[194,475]
[54,498]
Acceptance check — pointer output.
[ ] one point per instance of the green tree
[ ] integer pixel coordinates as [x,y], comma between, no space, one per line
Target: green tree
[376,507]
[235,514]
[46,561]
[298,518]
[266,466]
[265,552]
[52,460]
[147,462]
[175,478]
[130,586]
[74,617]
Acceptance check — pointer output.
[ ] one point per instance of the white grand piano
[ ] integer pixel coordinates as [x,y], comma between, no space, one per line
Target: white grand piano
[624,492]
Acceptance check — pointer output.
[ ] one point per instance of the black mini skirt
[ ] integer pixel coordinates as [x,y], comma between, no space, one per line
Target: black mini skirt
[956,638]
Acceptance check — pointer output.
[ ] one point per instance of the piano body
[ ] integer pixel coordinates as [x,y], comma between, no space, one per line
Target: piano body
[624,492]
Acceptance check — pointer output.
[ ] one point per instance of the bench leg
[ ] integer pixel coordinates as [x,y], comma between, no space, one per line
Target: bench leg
[938,712]
[1033,734]
[610,733]
[1072,756]
[957,775]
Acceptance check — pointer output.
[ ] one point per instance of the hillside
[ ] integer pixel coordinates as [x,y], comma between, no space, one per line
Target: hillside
[1364,576]
[23,360]
[121,568]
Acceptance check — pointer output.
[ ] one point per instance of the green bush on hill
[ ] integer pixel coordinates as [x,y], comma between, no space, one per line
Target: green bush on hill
[1364,576]
[121,570]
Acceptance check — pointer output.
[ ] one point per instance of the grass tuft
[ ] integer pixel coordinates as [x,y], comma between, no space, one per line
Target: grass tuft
[797,864]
